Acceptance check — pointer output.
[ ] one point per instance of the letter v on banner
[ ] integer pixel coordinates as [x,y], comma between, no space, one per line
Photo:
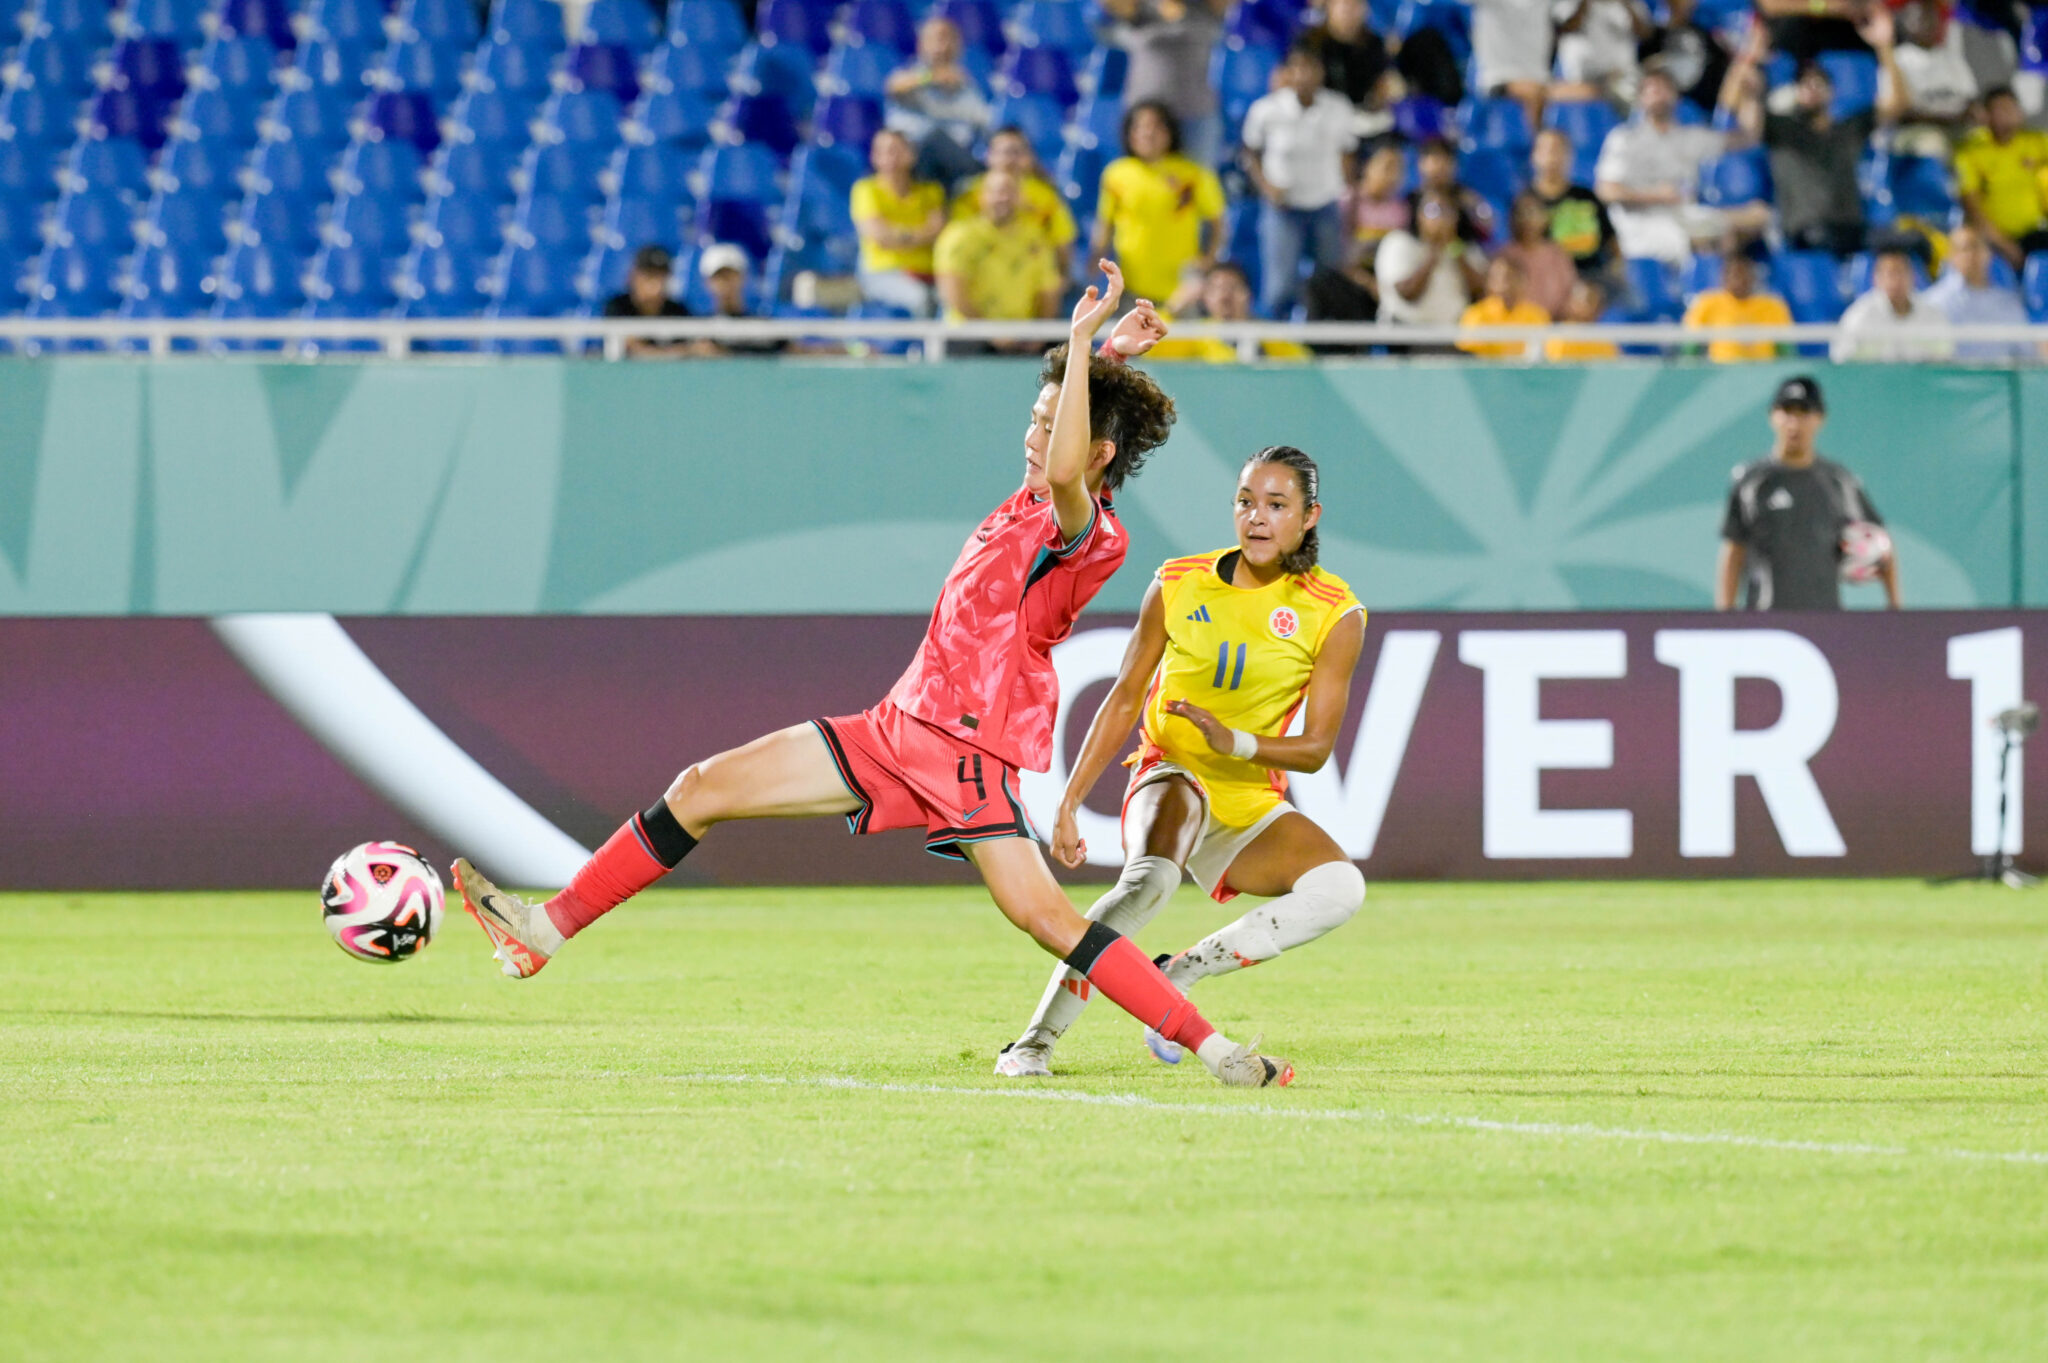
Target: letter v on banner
[1352,803]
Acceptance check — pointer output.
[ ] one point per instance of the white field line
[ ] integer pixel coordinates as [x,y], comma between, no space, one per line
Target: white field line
[1546,1130]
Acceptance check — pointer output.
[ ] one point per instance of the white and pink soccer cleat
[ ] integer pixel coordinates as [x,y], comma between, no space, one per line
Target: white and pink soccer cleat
[523,937]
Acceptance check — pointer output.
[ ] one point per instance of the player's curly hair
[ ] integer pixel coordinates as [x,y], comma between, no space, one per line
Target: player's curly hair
[1303,558]
[1125,407]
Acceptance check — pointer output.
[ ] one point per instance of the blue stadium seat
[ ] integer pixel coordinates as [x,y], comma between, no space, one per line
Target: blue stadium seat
[56,63]
[28,170]
[497,118]
[315,115]
[260,272]
[845,121]
[244,68]
[129,113]
[352,274]
[764,119]
[195,167]
[658,170]
[337,63]
[112,163]
[1041,71]
[1855,78]
[446,23]
[98,218]
[177,20]
[861,71]
[286,221]
[831,172]
[30,113]
[867,310]
[387,167]
[356,22]
[745,225]
[535,24]
[407,114]
[604,66]
[1419,118]
[555,222]
[88,21]
[149,66]
[511,67]
[442,281]
[467,221]
[210,115]
[77,272]
[629,23]
[1241,238]
[1241,75]
[584,117]
[715,25]
[173,274]
[195,220]
[1495,174]
[2034,287]
[21,234]
[1653,289]
[1104,74]
[375,222]
[1269,26]
[532,282]
[1812,284]
[1499,124]
[687,68]
[419,65]
[782,70]
[477,168]
[1740,177]
[562,169]
[288,167]
[1039,118]
[1099,123]
[270,20]
[792,23]
[1702,272]
[1586,123]
[1920,186]
[979,21]
[1062,24]
[682,117]
[629,224]
[1079,175]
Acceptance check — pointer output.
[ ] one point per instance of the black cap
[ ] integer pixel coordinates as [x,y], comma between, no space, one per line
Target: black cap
[653,259]
[1800,391]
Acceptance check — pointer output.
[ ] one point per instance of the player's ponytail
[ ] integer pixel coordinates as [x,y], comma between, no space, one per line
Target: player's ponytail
[1304,556]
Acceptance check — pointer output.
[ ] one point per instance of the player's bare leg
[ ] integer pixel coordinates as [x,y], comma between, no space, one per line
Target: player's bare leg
[1311,888]
[1023,888]
[788,774]
[1165,817]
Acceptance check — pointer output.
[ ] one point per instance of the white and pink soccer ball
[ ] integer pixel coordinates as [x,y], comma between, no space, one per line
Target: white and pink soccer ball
[381,901]
[1865,547]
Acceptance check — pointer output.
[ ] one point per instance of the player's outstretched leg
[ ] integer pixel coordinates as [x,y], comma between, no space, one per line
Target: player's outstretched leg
[788,774]
[1161,818]
[1029,897]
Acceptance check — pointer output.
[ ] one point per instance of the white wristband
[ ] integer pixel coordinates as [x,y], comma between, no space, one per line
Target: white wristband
[1243,746]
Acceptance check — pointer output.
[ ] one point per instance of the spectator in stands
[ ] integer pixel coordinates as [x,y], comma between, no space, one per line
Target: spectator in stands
[937,103]
[1356,63]
[996,264]
[1889,322]
[1512,42]
[1226,297]
[1586,306]
[1813,154]
[1998,168]
[1436,167]
[724,269]
[1938,85]
[1428,276]
[1578,220]
[1692,55]
[1548,270]
[1648,176]
[1374,207]
[649,286]
[1040,203]
[1162,213]
[1803,29]
[1738,303]
[1170,43]
[898,217]
[1782,533]
[1298,142]
[1967,295]
[1597,42]
[1506,304]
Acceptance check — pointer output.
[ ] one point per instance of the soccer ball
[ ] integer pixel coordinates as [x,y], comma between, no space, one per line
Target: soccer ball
[381,901]
[1865,547]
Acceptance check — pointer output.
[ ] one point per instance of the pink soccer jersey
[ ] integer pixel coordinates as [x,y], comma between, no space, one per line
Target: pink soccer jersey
[984,671]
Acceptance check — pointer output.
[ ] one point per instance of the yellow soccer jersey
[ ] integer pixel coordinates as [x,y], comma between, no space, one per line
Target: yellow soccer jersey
[1245,656]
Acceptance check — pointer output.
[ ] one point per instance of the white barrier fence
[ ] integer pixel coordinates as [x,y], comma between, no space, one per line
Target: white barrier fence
[928,340]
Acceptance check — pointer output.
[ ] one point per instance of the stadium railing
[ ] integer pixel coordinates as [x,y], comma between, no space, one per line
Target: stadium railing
[926,341]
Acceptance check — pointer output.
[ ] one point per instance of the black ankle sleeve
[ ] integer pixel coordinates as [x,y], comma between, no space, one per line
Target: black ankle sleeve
[1098,939]
[667,838]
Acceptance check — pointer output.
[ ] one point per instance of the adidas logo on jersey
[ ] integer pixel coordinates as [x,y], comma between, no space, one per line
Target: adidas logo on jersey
[1201,614]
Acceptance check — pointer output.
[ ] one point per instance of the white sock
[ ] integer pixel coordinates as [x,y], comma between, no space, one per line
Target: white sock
[1214,1051]
[1145,885]
[1323,899]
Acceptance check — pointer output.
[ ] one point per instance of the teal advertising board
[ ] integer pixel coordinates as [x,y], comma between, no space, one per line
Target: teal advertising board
[516,486]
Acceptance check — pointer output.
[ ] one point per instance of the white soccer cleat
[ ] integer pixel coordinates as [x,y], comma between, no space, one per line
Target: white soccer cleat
[1245,1068]
[1164,1051]
[506,919]
[1023,1060]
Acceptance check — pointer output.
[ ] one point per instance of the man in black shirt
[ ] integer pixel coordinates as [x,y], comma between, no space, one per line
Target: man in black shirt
[1578,220]
[647,295]
[1783,528]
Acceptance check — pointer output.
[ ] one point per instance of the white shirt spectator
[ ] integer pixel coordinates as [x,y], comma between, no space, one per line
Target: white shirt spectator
[1603,49]
[1638,155]
[1301,150]
[1511,42]
[1872,329]
[1991,305]
[1443,300]
[1939,82]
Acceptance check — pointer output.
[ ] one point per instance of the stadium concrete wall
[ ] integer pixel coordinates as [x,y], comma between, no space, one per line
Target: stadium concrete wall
[199,486]
[250,750]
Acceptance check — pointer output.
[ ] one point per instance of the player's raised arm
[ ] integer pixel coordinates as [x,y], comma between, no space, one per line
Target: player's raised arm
[1113,722]
[1070,452]
[1329,691]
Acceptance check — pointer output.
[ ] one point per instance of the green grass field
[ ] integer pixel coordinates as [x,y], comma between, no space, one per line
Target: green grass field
[1702,1121]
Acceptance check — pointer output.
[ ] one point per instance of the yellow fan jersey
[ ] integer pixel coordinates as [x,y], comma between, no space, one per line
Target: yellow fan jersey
[1244,655]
